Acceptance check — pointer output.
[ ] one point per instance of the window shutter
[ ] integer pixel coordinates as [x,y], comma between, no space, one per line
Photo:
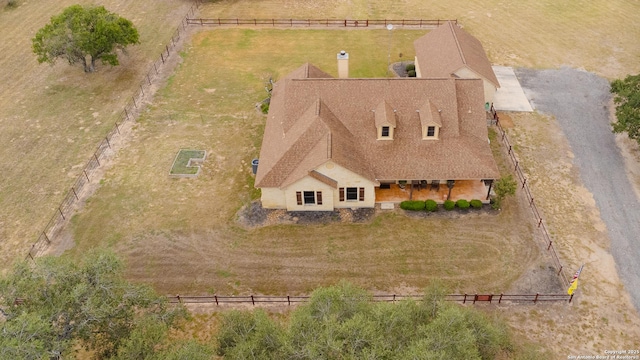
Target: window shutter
[341,190]
[361,194]
[299,197]
[319,197]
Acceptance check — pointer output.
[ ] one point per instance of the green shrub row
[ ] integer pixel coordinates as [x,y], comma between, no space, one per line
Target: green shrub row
[412,205]
[431,205]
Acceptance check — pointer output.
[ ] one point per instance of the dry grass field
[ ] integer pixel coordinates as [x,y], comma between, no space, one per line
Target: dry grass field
[51,118]
[181,234]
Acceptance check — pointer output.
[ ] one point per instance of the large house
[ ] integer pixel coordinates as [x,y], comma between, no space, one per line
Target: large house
[350,143]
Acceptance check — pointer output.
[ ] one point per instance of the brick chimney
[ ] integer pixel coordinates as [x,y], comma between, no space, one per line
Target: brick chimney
[343,64]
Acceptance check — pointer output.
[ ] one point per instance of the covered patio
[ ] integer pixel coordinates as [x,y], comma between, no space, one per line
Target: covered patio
[416,190]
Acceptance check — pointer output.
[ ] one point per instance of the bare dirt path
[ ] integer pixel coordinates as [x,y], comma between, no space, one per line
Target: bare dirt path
[580,102]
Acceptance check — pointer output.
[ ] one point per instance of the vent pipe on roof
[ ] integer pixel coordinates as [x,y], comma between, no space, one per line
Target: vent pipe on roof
[343,64]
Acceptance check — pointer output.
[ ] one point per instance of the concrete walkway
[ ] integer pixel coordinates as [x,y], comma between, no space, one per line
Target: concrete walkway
[510,96]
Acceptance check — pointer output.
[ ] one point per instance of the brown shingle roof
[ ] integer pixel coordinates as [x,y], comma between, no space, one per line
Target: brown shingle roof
[312,120]
[448,48]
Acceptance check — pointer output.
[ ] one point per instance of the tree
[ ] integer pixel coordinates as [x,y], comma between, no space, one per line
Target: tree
[627,100]
[503,187]
[56,305]
[82,35]
[341,322]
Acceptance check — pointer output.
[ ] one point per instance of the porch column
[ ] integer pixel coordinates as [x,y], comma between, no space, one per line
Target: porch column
[490,185]
[450,185]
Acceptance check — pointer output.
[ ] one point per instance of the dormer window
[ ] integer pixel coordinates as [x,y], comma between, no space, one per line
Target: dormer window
[431,121]
[385,120]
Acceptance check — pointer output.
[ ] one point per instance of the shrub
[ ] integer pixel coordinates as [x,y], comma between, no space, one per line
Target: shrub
[412,205]
[476,204]
[431,205]
[410,67]
[449,205]
[264,107]
[411,73]
[462,204]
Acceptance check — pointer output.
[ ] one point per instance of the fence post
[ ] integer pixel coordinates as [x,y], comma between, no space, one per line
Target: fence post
[570,298]
[108,144]
[475,297]
[516,167]
[549,247]
[74,193]
[167,47]
[126,112]
[394,297]
[524,183]
[559,271]
[465,299]
[540,222]
[117,128]
[531,203]
[155,67]
[179,300]
[149,80]
[162,57]
[134,102]
[59,209]
[500,299]
[141,90]
[85,174]
[216,298]
[252,301]
[288,301]
[46,237]
[96,156]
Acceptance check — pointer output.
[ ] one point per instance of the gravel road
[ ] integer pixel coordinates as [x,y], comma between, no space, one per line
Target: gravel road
[579,101]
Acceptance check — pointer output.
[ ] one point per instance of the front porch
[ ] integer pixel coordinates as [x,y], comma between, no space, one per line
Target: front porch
[463,189]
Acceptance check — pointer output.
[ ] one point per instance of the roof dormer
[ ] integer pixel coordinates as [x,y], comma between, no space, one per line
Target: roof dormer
[430,120]
[385,119]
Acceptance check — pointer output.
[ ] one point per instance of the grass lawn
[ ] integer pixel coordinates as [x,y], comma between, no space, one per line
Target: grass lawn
[52,118]
[180,234]
[186,162]
[598,35]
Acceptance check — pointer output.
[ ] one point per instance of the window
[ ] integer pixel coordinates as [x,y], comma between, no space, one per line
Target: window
[309,197]
[385,131]
[431,131]
[352,193]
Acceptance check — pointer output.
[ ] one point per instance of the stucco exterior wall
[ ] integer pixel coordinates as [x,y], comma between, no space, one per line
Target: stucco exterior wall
[489,88]
[415,61]
[347,178]
[309,184]
[273,198]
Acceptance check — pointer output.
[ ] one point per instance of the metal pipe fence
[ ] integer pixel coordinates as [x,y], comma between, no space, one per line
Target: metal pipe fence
[258,300]
[346,23]
[522,180]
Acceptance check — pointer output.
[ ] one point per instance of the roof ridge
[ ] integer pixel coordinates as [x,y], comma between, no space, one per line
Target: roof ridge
[455,37]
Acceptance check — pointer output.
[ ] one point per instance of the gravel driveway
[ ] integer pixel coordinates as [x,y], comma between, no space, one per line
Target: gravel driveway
[579,100]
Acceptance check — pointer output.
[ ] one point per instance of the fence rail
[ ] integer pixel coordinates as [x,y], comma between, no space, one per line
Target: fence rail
[522,179]
[66,207]
[257,300]
[419,23]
